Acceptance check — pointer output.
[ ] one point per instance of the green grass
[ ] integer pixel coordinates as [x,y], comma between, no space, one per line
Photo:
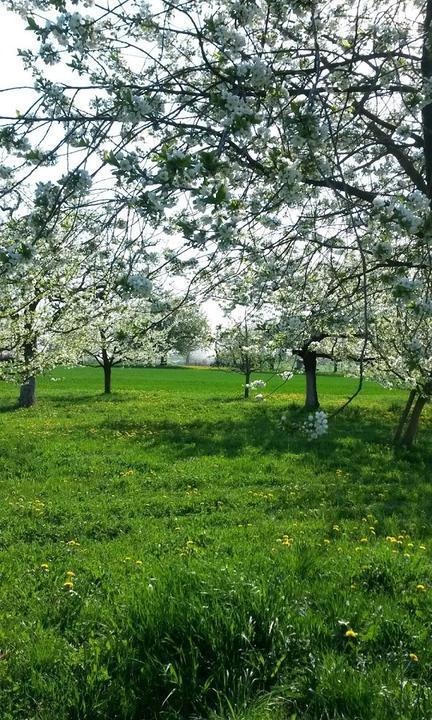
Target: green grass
[218,560]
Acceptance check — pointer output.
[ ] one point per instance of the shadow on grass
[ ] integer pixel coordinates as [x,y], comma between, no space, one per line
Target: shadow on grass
[10,407]
[353,470]
[355,434]
[98,397]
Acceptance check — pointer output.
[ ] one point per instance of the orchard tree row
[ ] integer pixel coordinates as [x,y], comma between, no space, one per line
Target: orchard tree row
[81,294]
[279,152]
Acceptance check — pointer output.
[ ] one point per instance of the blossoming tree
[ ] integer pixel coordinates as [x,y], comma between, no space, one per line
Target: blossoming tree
[280,108]
[41,284]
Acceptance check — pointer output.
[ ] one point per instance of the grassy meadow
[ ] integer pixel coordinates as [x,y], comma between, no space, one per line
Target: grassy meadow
[170,552]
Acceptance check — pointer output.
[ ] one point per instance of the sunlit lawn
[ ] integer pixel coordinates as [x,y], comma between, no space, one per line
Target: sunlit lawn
[217,563]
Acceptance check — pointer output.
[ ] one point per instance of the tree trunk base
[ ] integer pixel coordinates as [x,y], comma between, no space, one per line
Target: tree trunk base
[310,366]
[404,417]
[410,433]
[27,396]
[408,425]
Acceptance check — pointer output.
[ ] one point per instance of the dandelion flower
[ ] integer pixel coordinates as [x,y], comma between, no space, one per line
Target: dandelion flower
[413,657]
[351,633]
[421,587]
[68,585]
[44,567]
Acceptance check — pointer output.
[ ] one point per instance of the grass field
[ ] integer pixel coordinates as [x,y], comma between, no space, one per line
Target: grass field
[169,552]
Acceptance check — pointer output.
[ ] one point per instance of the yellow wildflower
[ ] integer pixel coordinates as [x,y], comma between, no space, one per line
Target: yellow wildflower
[422,547]
[44,567]
[351,633]
[413,657]
[326,542]
[421,587]
[70,574]
[138,562]
[363,540]
[68,585]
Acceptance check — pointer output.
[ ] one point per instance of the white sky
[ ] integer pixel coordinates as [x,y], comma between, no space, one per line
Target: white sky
[12,37]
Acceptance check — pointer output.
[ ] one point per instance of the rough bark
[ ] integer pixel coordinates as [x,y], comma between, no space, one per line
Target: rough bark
[409,436]
[310,367]
[404,417]
[27,396]
[107,367]
[247,381]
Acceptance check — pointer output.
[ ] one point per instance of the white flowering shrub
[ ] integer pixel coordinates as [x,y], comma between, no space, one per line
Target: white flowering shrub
[257,384]
[316,425]
[283,422]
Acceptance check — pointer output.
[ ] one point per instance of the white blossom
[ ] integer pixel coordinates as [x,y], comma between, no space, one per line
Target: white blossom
[316,425]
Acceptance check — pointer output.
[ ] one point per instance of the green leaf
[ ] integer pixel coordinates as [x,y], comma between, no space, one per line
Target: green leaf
[32,24]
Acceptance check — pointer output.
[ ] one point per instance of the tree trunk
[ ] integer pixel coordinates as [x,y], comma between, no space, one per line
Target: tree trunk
[404,417]
[246,387]
[107,372]
[410,433]
[163,361]
[335,367]
[27,396]
[310,366]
